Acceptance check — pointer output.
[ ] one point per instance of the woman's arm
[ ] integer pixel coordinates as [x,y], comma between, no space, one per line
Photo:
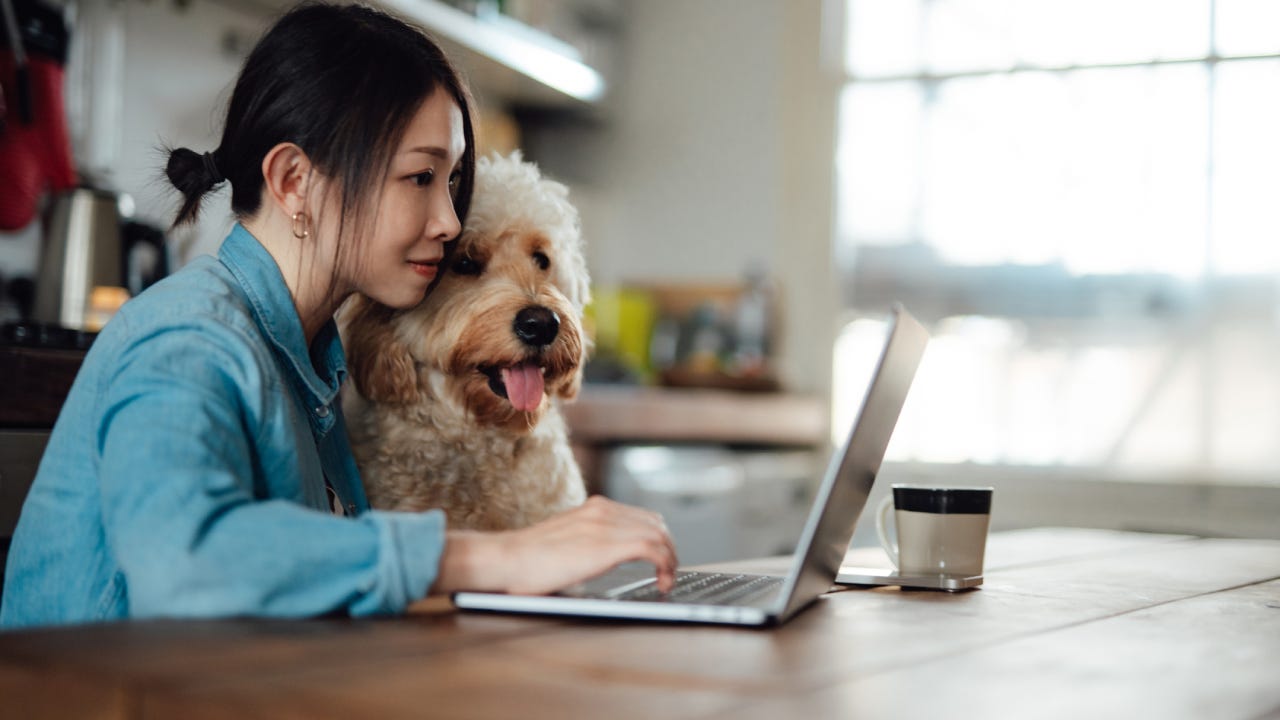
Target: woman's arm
[176,465]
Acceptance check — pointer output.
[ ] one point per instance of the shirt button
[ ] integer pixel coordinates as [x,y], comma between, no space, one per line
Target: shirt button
[322,411]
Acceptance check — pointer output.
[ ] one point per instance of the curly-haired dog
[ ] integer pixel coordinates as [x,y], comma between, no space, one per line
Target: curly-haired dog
[456,398]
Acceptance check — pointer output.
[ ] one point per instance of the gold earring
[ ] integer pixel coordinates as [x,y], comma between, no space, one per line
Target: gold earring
[305,224]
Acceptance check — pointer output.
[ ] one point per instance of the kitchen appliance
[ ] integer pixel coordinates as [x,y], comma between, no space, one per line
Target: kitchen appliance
[35,146]
[91,261]
[82,251]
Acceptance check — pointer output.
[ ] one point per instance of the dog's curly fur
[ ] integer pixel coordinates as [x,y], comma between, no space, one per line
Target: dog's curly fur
[430,419]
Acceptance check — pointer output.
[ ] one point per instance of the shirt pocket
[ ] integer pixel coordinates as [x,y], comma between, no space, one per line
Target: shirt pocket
[113,603]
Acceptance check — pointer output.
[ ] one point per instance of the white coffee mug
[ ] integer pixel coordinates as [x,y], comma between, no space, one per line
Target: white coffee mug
[941,531]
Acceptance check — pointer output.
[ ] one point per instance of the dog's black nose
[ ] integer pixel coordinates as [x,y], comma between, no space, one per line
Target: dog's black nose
[537,325]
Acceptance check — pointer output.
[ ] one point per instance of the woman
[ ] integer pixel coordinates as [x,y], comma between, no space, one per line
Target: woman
[200,462]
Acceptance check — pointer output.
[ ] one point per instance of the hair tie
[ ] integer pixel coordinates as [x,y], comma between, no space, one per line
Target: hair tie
[211,169]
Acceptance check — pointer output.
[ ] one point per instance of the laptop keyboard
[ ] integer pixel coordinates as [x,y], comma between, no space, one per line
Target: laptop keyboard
[706,589]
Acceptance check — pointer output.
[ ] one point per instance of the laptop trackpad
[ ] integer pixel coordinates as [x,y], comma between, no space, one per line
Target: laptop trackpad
[625,574]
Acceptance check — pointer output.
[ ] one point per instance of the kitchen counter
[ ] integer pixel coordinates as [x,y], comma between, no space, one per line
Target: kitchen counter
[604,416]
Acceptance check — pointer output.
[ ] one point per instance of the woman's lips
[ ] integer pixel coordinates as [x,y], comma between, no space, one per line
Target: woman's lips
[425,269]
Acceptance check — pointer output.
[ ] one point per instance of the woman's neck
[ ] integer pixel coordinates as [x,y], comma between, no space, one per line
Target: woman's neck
[306,273]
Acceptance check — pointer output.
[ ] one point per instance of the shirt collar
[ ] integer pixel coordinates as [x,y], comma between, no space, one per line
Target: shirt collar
[273,309]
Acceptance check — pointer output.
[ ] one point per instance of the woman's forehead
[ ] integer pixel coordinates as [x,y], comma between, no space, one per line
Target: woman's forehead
[436,129]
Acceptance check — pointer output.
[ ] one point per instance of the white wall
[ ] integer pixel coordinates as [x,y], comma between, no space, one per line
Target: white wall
[177,81]
[720,155]
[696,164]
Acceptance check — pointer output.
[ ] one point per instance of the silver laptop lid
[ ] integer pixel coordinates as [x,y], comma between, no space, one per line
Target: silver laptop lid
[853,468]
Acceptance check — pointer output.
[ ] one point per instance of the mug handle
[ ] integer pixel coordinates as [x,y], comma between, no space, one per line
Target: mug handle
[889,547]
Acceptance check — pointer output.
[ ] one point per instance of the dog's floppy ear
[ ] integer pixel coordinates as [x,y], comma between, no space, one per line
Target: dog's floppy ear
[380,365]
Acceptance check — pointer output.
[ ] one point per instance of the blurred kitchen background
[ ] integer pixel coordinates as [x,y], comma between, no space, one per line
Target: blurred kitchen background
[1079,197]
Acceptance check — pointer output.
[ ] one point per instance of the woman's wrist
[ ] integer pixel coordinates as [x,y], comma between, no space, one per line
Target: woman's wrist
[471,560]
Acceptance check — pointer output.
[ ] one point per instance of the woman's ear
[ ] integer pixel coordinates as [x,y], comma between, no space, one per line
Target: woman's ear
[286,177]
[379,364]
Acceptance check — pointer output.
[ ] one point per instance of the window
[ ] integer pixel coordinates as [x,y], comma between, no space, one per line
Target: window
[1082,199]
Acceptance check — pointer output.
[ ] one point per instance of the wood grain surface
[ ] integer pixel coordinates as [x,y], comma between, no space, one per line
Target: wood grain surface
[1069,623]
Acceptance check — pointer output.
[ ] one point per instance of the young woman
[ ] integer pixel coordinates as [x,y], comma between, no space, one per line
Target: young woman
[200,465]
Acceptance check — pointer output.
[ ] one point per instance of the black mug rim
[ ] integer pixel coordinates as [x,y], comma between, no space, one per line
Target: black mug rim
[943,500]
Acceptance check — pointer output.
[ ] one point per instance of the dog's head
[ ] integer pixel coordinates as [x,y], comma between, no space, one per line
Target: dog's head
[502,330]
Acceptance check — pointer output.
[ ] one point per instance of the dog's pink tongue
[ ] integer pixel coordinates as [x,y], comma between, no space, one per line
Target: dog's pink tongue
[524,386]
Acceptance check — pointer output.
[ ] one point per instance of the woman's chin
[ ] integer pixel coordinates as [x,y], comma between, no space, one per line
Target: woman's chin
[401,300]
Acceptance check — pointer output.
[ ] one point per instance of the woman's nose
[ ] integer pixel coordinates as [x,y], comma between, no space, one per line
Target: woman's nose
[444,224]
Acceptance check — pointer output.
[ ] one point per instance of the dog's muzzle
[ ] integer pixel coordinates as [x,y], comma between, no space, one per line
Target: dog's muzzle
[523,383]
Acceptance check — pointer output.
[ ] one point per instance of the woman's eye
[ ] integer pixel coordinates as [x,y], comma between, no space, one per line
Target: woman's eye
[467,266]
[542,260]
[454,179]
[424,178]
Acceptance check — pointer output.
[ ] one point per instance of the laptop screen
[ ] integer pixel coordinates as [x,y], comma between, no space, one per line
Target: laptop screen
[852,470]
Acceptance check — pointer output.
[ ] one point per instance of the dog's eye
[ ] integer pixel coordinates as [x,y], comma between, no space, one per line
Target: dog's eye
[467,266]
[542,260]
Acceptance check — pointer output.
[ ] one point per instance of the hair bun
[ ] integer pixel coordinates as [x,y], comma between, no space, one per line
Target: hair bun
[186,170]
[193,176]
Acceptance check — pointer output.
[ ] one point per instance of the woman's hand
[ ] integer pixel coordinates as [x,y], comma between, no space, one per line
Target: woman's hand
[560,551]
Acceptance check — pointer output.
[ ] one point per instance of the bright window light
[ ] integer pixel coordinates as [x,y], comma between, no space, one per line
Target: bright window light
[1079,197]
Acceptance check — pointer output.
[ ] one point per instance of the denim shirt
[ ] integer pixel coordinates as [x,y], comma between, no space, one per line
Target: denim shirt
[185,476]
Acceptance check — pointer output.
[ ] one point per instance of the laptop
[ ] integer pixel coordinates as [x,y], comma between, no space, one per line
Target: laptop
[758,600]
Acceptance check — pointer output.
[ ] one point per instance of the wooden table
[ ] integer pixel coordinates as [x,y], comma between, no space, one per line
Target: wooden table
[1070,623]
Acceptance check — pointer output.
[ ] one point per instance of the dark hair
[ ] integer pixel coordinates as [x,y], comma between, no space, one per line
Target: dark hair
[342,83]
